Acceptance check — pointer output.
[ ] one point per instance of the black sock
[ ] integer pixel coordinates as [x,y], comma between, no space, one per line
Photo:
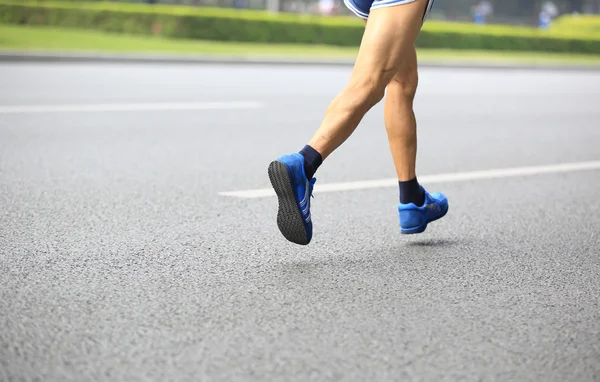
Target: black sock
[312,161]
[410,192]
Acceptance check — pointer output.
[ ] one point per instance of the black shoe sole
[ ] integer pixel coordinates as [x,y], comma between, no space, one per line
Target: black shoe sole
[289,217]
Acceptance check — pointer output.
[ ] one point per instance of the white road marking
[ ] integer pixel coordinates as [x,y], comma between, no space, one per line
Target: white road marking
[431,179]
[145,106]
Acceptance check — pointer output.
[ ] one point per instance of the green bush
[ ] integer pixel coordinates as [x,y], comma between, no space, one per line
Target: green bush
[588,24]
[260,26]
[185,22]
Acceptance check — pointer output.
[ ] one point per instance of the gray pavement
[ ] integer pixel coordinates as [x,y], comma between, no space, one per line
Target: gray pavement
[244,59]
[119,260]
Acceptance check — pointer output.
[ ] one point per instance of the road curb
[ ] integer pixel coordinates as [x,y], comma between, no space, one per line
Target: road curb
[68,57]
[162,59]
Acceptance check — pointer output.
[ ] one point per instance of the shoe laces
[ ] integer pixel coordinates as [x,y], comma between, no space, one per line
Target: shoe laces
[312,185]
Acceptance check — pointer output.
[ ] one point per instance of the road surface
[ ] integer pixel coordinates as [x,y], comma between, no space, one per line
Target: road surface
[124,255]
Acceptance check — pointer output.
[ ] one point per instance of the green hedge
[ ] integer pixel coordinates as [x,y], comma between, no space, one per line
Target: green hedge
[259,26]
[183,22]
[588,24]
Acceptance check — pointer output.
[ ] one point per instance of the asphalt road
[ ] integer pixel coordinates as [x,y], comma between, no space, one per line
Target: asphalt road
[120,260]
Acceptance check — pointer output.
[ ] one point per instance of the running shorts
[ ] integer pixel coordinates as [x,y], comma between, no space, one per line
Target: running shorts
[361,8]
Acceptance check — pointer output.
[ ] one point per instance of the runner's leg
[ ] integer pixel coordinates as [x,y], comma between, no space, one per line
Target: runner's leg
[401,127]
[388,42]
[386,48]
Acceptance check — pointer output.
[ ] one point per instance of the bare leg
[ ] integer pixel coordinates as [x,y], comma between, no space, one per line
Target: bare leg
[386,58]
[388,42]
[400,122]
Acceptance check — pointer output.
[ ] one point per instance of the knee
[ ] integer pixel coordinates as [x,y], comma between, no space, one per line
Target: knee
[369,90]
[405,84]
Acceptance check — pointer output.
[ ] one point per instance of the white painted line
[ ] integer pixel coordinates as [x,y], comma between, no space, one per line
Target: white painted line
[149,106]
[431,179]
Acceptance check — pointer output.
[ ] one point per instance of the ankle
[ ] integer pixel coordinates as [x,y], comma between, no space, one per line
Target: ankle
[411,192]
[312,160]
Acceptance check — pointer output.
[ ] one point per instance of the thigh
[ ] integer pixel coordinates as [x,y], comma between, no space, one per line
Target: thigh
[389,40]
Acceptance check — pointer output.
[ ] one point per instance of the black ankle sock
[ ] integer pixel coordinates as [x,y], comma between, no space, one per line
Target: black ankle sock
[312,161]
[410,192]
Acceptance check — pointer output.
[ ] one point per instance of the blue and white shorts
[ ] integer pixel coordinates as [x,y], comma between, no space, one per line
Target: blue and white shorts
[361,8]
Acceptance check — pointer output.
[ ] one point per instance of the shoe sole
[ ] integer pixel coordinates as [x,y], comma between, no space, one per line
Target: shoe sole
[289,217]
[422,228]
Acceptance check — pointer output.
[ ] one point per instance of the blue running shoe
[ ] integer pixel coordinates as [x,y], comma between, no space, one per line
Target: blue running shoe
[294,191]
[414,219]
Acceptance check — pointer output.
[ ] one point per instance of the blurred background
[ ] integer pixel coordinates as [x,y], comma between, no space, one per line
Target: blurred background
[518,12]
[531,30]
